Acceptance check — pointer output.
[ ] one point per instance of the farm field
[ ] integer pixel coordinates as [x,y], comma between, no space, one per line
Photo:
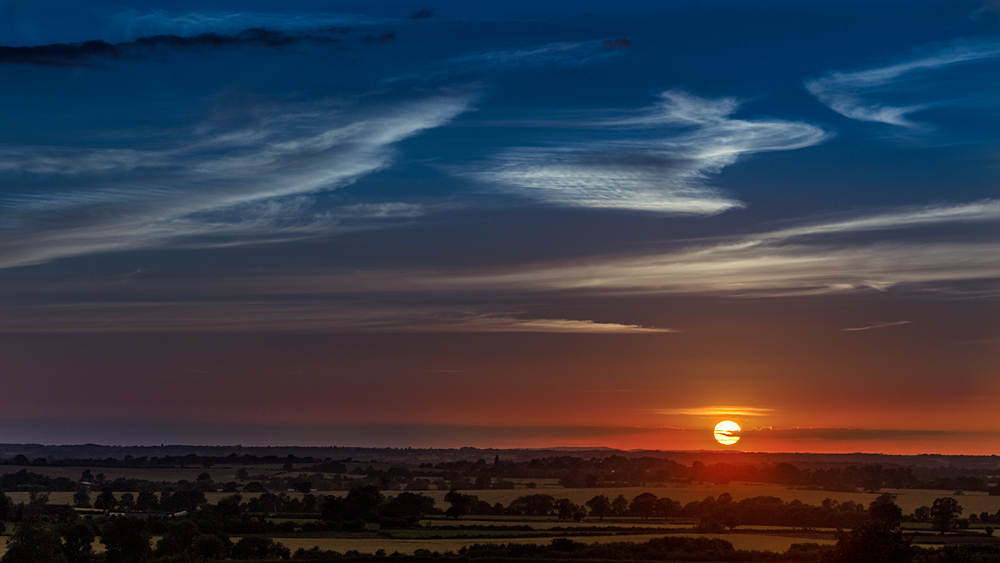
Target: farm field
[739,541]
[907,499]
[547,523]
[220,473]
[777,541]
[97,545]
[763,542]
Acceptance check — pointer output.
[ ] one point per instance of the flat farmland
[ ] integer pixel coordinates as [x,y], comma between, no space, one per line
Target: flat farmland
[97,546]
[219,473]
[907,499]
[547,523]
[761,542]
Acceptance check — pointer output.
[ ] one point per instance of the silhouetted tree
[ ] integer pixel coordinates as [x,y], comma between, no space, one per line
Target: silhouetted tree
[460,504]
[81,499]
[665,508]
[106,500]
[126,540]
[872,542]
[362,503]
[257,547]
[127,502]
[32,542]
[6,508]
[182,501]
[643,505]
[943,512]
[78,540]
[599,506]
[569,510]
[884,508]
[179,536]
[533,505]
[147,502]
[209,547]
[228,507]
[620,505]
[408,506]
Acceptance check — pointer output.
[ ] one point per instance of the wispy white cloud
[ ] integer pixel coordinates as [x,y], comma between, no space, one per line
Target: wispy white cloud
[283,315]
[876,325]
[494,323]
[853,94]
[783,262]
[780,262]
[660,160]
[65,160]
[229,184]
[752,270]
[899,218]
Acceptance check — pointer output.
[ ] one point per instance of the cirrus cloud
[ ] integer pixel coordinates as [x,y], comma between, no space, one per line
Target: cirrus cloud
[226,185]
[857,94]
[659,159]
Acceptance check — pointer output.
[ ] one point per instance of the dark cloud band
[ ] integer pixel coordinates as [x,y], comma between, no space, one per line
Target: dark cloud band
[82,54]
[843,433]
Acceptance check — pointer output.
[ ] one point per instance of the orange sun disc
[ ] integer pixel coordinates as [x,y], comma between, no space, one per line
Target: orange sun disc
[727,432]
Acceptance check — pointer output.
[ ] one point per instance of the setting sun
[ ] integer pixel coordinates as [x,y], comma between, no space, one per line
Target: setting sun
[727,433]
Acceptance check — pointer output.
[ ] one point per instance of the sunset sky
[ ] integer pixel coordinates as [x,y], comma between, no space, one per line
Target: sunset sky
[509,224]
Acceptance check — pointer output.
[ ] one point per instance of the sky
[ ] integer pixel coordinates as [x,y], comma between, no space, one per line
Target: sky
[516,224]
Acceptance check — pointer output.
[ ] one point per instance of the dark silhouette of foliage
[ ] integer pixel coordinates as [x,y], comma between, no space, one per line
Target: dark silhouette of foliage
[599,506]
[32,542]
[943,513]
[258,547]
[885,509]
[643,505]
[872,542]
[126,540]
[81,499]
[78,539]
[106,500]
[532,505]
[180,535]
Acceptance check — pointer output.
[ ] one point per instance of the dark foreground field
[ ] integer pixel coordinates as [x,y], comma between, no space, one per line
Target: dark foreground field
[186,508]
